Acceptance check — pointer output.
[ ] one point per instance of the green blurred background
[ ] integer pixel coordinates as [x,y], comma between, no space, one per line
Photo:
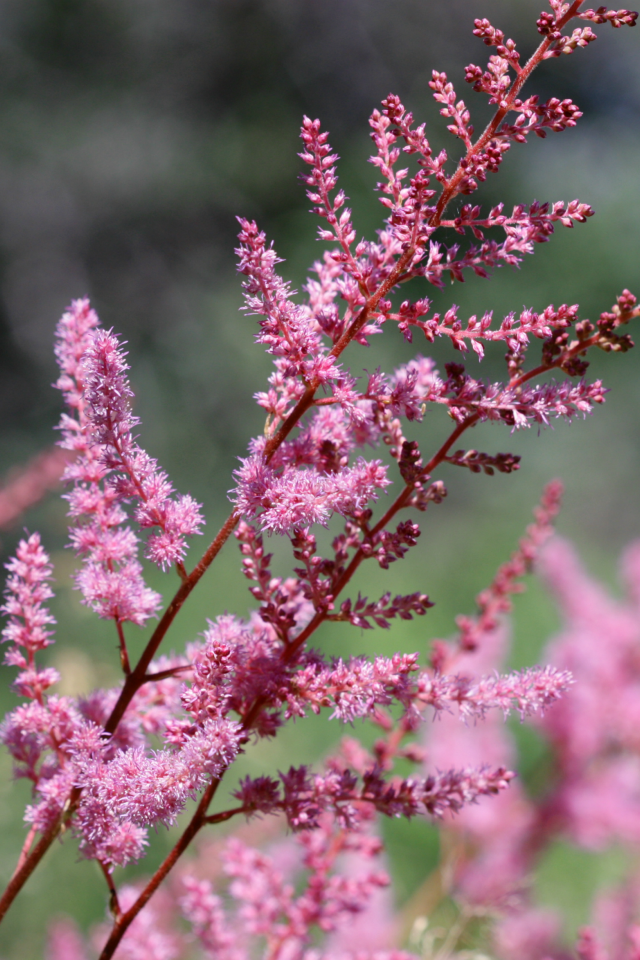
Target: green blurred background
[132,132]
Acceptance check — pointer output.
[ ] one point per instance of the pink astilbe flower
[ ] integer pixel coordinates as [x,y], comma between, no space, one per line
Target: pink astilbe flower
[37,734]
[412,216]
[491,862]
[33,730]
[287,330]
[614,931]
[135,789]
[530,934]
[302,796]
[463,395]
[137,476]
[111,579]
[355,688]
[52,793]
[239,662]
[593,790]
[156,703]
[278,901]
[294,498]
[528,692]
[116,590]
[268,904]
[27,591]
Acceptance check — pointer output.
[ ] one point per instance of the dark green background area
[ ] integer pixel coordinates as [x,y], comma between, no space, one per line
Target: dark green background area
[132,132]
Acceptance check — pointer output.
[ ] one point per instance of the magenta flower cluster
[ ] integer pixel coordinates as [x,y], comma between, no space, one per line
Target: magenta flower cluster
[109,767]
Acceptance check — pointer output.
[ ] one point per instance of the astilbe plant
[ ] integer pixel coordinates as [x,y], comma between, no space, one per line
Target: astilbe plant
[91,761]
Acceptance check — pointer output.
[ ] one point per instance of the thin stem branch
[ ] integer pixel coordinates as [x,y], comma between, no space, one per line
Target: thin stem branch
[24,853]
[225,815]
[167,674]
[124,653]
[536,58]
[24,871]
[114,904]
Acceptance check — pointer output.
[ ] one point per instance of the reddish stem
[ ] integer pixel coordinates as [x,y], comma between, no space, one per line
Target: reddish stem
[124,654]
[114,904]
[24,853]
[24,871]
[451,188]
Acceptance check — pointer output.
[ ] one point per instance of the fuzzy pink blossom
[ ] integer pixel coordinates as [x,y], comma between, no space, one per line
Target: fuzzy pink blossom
[287,329]
[136,475]
[110,579]
[269,904]
[26,592]
[135,789]
[36,733]
[528,692]
[296,498]
[52,794]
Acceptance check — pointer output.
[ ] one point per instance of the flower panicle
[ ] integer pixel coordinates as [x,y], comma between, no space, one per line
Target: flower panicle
[29,619]
[110,578]
[136,476]
[303,796]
